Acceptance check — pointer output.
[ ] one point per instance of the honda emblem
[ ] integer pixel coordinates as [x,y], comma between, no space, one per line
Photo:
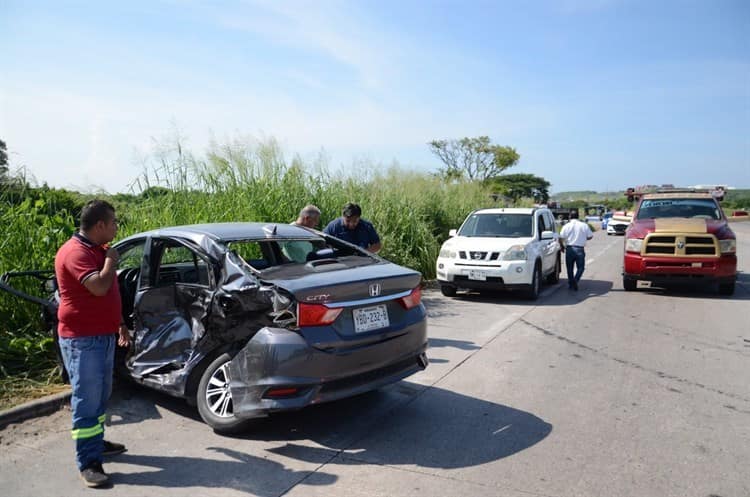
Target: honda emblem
[374,289]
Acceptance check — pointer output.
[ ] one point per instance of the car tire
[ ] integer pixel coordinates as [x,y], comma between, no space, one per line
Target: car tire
[448,291]
[533,292]
[554,277]
[726,288]
[214,398]
[629,284]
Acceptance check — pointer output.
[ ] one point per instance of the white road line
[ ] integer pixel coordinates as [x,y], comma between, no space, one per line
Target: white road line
[607,247]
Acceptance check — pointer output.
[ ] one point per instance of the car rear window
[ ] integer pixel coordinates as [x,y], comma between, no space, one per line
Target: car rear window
[263,255]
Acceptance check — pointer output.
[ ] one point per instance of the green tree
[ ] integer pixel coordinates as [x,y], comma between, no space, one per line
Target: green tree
[474,158]
[518,186]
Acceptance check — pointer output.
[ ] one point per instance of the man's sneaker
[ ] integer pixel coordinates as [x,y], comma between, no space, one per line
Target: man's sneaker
[112,448]
[94,475]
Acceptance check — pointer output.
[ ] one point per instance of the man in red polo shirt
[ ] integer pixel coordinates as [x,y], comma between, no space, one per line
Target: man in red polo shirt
[89,317]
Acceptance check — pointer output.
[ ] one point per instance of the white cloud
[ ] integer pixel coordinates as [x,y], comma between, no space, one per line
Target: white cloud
[333,29]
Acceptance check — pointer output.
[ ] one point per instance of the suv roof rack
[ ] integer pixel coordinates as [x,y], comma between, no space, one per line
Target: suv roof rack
[634,194]
[681,190]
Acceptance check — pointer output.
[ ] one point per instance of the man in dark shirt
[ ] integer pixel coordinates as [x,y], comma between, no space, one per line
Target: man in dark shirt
[351,228]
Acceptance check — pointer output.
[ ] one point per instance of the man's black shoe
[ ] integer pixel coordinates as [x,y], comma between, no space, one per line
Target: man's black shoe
[94,475]
[575,286]
[112,448]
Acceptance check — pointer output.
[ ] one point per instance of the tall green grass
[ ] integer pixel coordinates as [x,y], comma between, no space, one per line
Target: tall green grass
[255,182]
[236,181]
[30,233]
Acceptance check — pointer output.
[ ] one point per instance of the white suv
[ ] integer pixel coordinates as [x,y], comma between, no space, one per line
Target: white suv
[511,249]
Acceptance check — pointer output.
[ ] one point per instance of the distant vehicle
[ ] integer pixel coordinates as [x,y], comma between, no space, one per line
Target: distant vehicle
[501,249]
[594,213]
[618,223]
[680,236]
[560,213]
[739,213]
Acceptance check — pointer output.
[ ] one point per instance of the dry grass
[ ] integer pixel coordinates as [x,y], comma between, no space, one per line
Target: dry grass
[17,390]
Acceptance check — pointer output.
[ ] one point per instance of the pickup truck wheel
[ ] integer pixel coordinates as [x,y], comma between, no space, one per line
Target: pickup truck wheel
[214,398]
[448,291]
[629,284]
[533,292]
[726,288]
[554,277]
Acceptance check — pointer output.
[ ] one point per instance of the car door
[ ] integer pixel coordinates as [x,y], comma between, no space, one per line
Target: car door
[549,248]
[171,305]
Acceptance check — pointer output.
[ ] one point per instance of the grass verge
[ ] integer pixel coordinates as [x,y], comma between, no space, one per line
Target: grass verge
[17,390]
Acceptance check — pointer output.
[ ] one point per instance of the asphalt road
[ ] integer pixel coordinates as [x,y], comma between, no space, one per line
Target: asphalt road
[594,393]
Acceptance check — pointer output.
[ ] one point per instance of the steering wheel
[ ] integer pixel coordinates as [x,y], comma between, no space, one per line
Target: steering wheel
[128,284]
[129,278]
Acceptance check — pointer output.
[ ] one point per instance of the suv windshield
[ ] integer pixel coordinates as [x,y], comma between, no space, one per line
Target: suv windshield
[702,208]
[497,225]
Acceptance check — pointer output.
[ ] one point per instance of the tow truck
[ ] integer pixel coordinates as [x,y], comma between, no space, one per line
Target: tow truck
[679,235]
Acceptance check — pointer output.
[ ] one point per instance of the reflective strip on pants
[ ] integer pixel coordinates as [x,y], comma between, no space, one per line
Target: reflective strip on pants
[82,433]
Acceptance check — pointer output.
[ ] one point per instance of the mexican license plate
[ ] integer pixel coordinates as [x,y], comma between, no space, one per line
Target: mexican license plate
[475,274]
[370,318]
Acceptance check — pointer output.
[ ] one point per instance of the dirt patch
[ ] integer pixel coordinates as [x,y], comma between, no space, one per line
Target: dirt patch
[30,430]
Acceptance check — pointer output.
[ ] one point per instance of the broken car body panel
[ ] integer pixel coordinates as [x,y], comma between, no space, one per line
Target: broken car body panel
[194,293]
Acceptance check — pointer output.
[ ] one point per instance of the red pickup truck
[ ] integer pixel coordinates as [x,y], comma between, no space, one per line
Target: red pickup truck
[680,236]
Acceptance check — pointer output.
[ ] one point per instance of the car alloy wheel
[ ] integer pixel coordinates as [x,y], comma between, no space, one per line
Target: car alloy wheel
[214,397]
[218,395]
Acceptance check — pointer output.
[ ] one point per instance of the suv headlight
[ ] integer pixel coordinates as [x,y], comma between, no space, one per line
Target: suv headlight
[728,246]
[515,253]
[633,244]
[447,253]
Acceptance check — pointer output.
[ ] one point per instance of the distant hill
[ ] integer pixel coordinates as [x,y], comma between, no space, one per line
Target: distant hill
[586,195]
[737,198]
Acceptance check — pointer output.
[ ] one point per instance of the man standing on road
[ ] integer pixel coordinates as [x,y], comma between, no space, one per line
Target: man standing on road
[351,228]
[89,316]
[573,238]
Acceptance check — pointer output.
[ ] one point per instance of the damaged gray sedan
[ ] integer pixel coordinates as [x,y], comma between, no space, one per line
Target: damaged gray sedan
[248,319]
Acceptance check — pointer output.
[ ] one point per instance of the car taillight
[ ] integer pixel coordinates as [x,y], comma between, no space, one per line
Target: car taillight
[316,314]
[412,300]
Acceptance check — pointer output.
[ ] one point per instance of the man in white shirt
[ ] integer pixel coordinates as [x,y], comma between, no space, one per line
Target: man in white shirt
[573,238]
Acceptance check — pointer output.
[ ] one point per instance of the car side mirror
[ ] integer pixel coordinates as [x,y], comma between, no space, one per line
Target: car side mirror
[452,233]
[547,235]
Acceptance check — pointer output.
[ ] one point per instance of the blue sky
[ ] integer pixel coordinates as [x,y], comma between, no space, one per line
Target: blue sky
[593,94]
